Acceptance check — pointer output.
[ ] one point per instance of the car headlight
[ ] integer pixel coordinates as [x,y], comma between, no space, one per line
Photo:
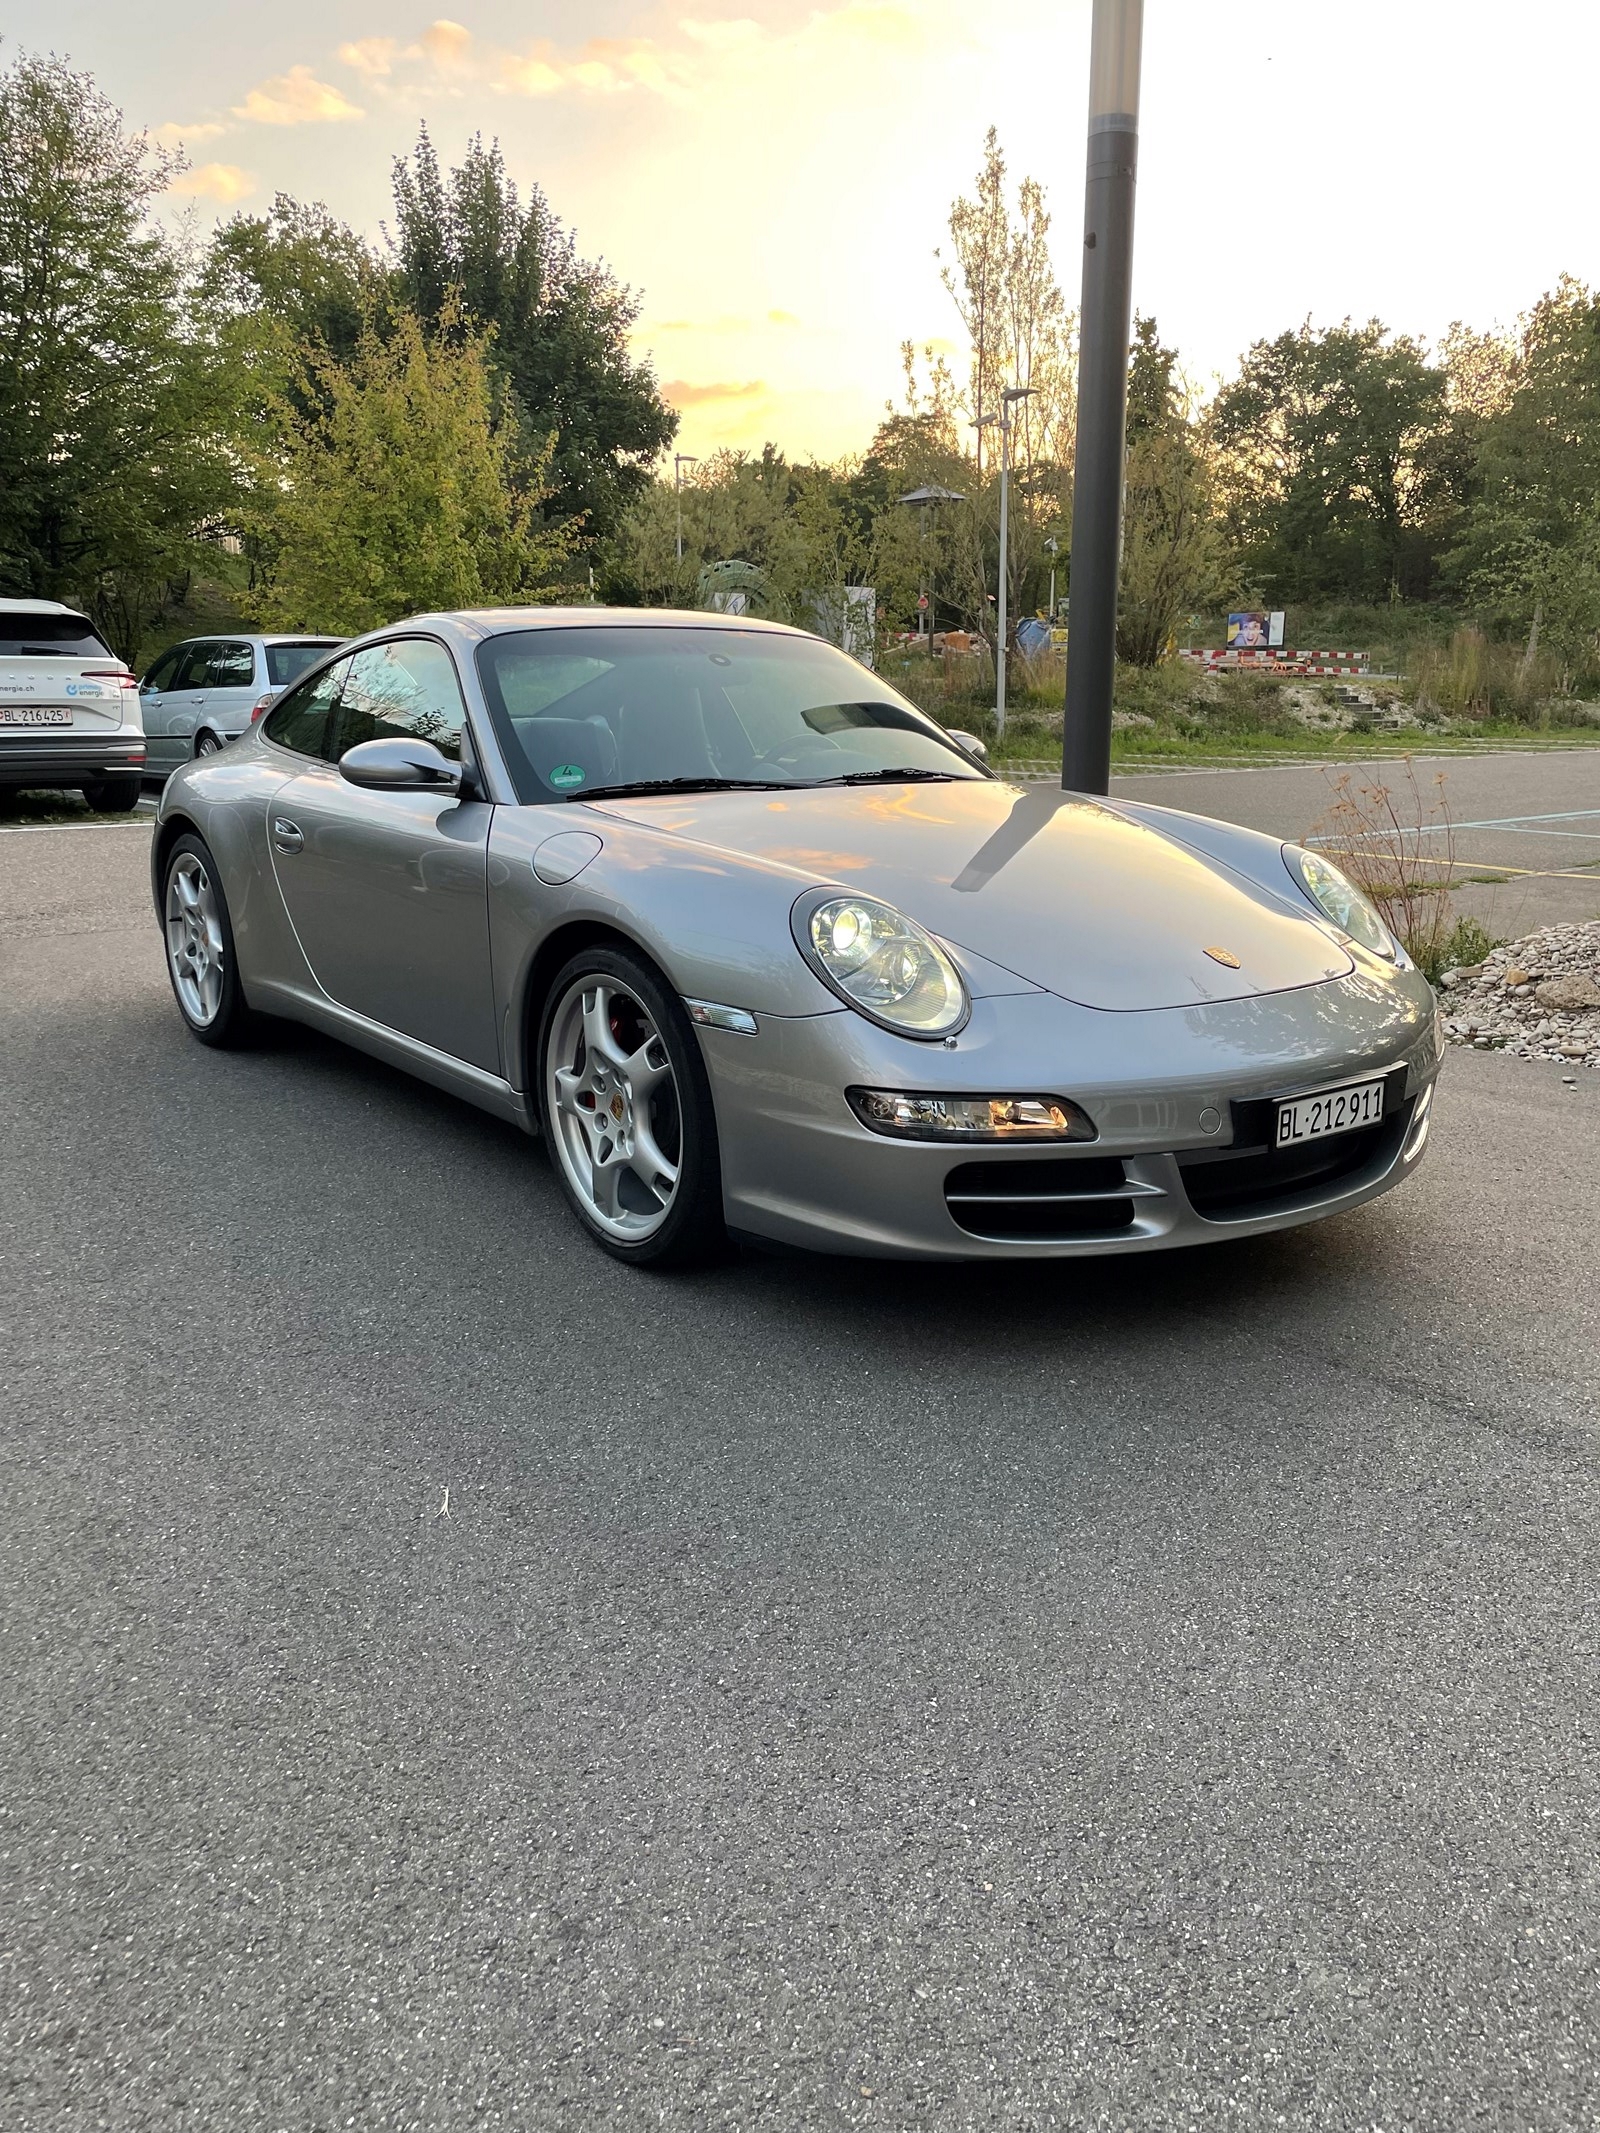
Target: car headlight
[1338,898]
[881,963]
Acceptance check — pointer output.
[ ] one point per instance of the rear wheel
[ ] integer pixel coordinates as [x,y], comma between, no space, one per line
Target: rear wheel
[207,744]
[115,795]
[626,1110]
[199,942]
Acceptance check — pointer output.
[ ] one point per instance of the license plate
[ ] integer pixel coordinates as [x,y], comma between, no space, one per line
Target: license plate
[1312,1118]
[34,715]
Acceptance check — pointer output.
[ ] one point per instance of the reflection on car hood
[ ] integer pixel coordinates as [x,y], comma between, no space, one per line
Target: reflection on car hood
[1062,890]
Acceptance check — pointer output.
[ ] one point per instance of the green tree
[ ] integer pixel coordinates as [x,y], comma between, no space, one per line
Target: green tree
[1002,279]
[1174,555]
[114,415]
[1324,462]
[560,323]
[394,486]
[298,271]
[1529,546]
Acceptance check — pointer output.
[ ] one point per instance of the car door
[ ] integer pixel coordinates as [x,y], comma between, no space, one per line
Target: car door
[388,891]
[185,696]
[228,687]
[162,752]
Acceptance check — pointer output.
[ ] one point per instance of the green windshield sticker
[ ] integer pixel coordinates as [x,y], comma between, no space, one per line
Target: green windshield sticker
[566,774]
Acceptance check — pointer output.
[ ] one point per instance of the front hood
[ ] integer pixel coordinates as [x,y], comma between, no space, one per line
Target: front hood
[1063,891]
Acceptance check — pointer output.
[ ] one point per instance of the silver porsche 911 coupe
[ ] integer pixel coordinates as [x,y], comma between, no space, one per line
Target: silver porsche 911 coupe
[758,947]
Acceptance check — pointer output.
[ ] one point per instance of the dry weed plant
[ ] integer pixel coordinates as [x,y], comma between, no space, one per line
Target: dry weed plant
[1397,844]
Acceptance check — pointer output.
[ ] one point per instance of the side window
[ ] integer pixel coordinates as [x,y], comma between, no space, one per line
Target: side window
[406,688]
[227,666]
[160,675]
[191,672]
[303,718]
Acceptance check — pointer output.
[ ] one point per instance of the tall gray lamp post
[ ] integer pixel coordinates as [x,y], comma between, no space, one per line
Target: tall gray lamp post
[1105,317]
[680,460]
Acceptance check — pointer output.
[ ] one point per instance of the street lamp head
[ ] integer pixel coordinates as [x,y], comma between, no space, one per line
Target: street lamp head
[982,422]
[1014,393]
[1114,66]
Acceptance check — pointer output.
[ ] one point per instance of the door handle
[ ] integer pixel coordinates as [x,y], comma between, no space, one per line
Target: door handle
[286,834]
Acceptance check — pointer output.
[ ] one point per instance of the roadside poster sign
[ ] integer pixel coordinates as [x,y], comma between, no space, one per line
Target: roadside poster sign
[1255,629]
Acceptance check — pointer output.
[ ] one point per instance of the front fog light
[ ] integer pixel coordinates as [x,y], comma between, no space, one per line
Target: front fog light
[971,1118]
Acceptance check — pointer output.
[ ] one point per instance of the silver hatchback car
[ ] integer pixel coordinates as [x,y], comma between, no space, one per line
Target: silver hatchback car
[204,692]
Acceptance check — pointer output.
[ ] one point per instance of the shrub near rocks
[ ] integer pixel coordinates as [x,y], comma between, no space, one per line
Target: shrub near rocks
[1538,997]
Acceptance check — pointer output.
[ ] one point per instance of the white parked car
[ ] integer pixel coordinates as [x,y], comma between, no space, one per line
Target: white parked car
[201,693]
[69,708]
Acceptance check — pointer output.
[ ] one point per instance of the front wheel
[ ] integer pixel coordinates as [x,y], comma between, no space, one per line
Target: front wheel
[626,1110]
[199,942]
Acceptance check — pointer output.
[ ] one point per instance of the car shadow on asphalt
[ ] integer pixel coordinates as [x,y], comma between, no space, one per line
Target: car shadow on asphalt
[1030,1299]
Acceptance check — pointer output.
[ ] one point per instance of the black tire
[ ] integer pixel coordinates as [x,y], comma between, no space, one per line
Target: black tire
[114,795]
[693,1231]
[205,744]
[233,1023]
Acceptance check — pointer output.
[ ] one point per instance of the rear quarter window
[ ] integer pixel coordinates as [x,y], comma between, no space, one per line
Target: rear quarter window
[287,662]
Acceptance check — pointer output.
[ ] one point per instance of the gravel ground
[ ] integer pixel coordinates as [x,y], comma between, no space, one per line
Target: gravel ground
[1538,997]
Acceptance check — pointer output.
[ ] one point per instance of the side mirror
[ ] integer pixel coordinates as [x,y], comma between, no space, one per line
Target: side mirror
[970,742]
[399,765]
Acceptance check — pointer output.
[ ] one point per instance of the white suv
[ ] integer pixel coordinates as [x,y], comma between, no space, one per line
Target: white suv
[206,690]
[69,708]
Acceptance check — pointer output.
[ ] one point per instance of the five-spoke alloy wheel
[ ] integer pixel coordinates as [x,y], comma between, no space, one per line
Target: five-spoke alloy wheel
[627,1111]
[199,939]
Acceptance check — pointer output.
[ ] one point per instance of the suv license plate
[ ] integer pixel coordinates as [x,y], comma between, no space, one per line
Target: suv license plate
[34,715]
[1312,1118]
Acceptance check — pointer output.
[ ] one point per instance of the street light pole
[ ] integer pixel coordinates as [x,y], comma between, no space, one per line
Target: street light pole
[680,460]
[1105,316]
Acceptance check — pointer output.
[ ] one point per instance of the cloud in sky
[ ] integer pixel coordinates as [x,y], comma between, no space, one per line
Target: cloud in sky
[222,182]
[372,56]
[681,393]
[172,135]
[296,99]
[679,65]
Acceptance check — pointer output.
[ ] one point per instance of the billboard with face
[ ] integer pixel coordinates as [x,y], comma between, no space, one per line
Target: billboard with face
[1255,629]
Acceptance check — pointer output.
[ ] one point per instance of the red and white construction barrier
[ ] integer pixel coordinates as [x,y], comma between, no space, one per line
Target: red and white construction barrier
[1217,659]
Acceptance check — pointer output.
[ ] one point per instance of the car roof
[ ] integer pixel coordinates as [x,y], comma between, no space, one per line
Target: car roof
[497,621]
[255,637]
[39,607]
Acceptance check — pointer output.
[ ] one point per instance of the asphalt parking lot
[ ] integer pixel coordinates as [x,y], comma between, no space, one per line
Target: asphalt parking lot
[452,1681]
[1523,848]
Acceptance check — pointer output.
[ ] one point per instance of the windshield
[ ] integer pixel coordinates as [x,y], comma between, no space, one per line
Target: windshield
[581,712]
[48,636]
[287,662]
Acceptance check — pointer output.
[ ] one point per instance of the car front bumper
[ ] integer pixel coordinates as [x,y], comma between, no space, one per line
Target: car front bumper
[68,757]
[1180,1098]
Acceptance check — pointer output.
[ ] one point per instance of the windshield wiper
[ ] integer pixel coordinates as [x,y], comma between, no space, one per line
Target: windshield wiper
[904,775]
[645,785]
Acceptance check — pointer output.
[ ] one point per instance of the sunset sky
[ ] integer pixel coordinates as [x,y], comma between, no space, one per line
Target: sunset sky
[774,177]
